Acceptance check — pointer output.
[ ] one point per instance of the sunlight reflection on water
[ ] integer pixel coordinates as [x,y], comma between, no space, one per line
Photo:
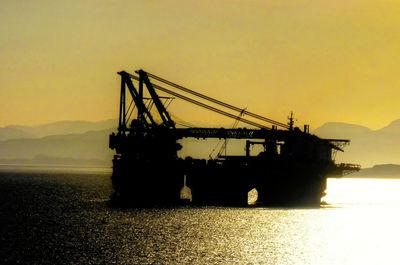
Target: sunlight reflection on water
[65,219]
[363,191]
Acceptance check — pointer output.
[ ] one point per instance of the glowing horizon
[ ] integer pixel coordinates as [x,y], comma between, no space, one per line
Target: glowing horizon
[325,61]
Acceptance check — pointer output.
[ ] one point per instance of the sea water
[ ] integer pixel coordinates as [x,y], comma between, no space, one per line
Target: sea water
[62,217]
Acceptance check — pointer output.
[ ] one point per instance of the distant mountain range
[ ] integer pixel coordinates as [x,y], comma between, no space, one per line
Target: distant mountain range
[64,143]
[378,171]
[82,142]
[56,128]
[367,147]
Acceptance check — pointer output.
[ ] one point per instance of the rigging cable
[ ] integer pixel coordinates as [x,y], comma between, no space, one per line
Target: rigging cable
[205,105]
[254,115]
[223,147]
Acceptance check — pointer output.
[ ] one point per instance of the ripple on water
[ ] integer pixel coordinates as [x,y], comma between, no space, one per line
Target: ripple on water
[66,218]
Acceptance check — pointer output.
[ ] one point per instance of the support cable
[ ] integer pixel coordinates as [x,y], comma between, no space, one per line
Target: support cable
[254,115]
[205,105]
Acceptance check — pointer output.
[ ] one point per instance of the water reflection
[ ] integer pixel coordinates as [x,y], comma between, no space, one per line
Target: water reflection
[363,191]
[62,219]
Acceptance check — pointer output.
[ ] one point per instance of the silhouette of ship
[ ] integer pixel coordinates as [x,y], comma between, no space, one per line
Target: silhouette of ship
[291,170]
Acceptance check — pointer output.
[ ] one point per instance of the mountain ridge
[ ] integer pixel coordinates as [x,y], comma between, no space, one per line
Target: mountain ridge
[367,147]
[88,145]
[54,128]
[378,171]
[90,141]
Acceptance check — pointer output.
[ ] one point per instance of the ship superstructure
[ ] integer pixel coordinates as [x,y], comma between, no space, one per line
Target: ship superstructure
[290,170]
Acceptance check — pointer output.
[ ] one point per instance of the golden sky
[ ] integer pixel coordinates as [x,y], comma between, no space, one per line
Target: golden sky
[324,60]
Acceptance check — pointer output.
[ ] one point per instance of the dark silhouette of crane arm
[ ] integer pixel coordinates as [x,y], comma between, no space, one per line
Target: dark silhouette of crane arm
[143,113]
[167,121]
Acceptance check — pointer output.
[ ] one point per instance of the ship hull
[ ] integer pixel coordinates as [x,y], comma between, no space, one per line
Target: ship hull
[146,183]
[218,183]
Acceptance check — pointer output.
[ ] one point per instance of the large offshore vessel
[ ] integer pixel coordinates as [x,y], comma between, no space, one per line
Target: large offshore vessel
[291,168]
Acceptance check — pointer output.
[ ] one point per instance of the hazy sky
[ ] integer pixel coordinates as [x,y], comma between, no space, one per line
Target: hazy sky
[324,60]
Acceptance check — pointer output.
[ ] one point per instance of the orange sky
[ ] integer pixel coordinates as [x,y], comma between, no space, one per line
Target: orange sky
[324,60]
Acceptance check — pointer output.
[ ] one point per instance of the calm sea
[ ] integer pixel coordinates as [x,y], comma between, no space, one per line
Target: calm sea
[62,217]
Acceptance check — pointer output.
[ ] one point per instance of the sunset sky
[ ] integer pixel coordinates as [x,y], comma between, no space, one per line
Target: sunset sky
[324,60]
